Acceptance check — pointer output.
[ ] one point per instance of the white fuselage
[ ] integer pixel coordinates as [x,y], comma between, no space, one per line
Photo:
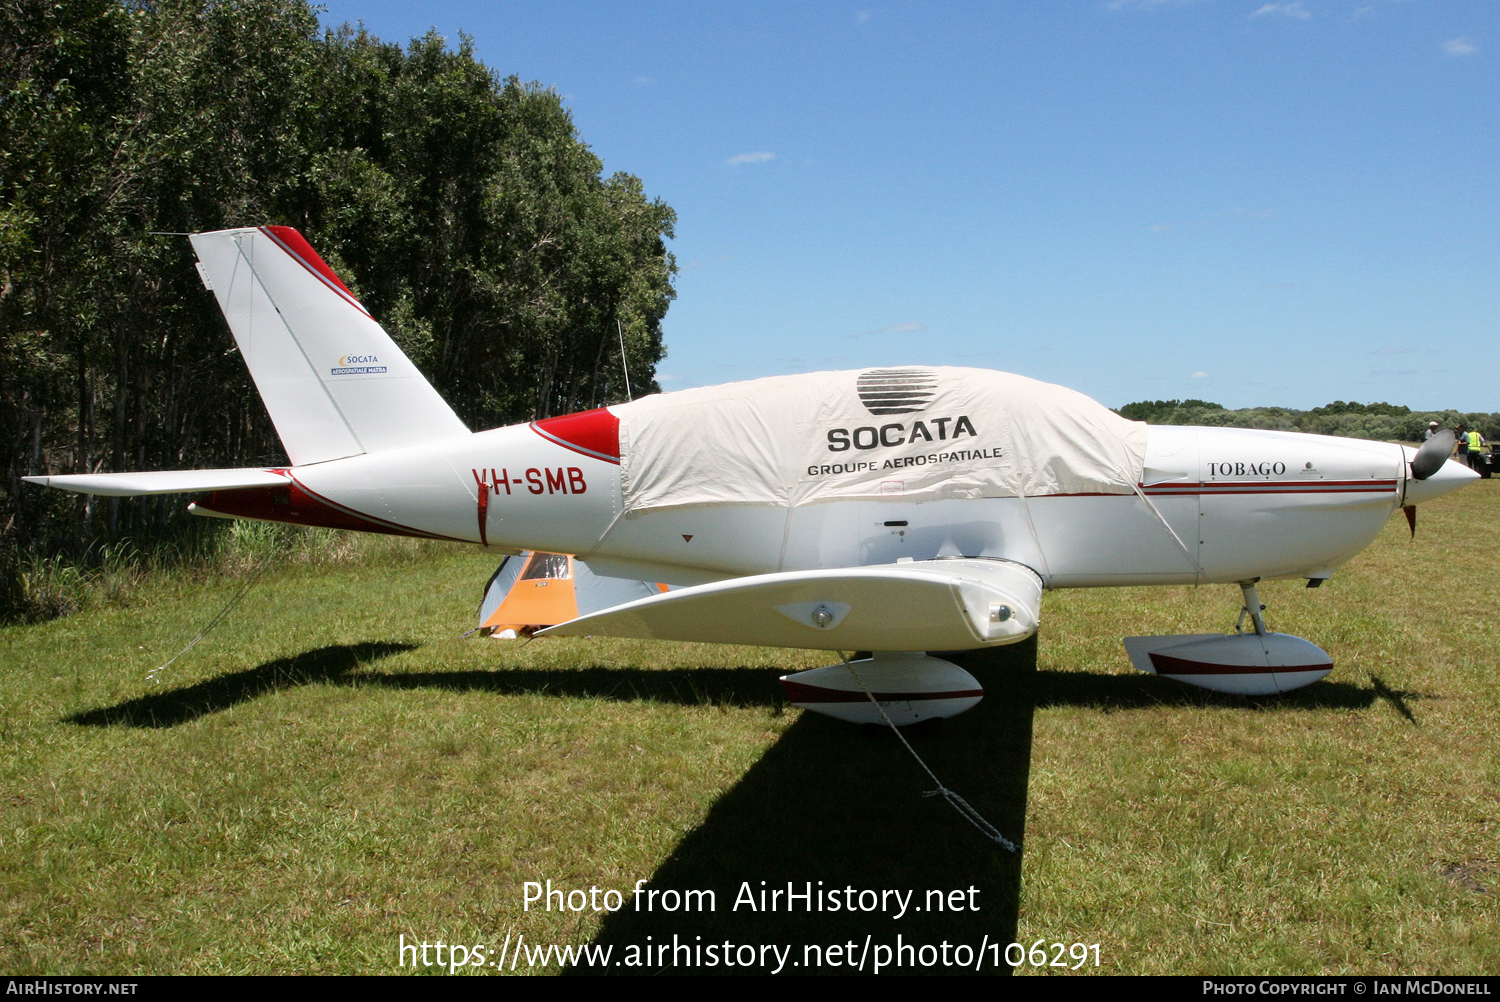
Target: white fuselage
[1215,505]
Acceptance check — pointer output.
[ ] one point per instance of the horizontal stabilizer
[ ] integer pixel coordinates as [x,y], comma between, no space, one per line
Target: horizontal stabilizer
[124,485]
[913,606]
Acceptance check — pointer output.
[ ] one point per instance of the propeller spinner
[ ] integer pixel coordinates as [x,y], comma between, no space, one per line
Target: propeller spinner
[1433,454]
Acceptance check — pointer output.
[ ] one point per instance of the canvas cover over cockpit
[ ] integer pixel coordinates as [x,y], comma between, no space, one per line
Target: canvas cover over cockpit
[917,433]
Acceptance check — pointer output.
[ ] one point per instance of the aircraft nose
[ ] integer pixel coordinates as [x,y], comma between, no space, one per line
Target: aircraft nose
[1450,477]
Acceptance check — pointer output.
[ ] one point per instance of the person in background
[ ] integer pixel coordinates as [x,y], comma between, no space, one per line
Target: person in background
[1432,429]
[1476,449]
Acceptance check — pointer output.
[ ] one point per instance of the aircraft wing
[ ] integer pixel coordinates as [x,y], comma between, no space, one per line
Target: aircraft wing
[942,605]
[167,482]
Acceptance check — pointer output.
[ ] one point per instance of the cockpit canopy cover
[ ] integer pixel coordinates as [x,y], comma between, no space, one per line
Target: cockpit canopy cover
[922,434]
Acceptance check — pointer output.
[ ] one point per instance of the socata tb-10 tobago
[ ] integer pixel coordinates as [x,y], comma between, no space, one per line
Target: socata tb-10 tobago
[896,511]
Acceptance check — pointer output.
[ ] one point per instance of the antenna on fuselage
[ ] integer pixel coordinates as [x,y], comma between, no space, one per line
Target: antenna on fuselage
[623,364]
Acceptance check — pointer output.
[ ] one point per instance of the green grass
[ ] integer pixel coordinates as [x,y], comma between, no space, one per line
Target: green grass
[333,768]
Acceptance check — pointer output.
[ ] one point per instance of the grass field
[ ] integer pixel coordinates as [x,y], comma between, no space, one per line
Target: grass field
[333,769]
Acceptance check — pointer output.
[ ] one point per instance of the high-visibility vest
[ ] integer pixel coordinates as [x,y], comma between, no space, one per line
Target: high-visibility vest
[1475,441]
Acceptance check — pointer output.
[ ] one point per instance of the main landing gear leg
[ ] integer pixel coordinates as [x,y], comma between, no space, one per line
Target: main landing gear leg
[1251,608]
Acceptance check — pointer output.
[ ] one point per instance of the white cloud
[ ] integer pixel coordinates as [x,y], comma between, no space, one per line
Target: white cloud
[1460,47]
[1200,375]
[697,263]
[644,81]
[750,158]
[864,16]
[904,327]
[1292,9]
[1142,4]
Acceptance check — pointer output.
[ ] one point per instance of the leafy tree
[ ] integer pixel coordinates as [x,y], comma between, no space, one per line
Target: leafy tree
[1379,421]
[463,208]
[1152,410]
[1352,407]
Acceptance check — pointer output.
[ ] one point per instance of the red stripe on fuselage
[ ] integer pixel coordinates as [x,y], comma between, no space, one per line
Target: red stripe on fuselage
[294,504]
[1273,487]
[1187,489]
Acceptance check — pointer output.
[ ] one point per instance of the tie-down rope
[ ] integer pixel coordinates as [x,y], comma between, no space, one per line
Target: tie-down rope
[1165,525]
[962,806]
[154,675]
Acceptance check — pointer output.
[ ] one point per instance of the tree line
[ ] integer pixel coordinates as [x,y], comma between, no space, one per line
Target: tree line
[461,207]
[1349,419]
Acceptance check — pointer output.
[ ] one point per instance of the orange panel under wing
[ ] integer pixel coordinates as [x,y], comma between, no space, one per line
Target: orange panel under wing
[532,604]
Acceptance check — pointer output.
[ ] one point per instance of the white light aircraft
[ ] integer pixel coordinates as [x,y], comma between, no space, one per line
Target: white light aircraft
[895,511]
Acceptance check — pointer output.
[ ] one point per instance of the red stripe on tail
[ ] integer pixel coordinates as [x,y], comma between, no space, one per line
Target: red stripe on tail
[299,248]
[594,433]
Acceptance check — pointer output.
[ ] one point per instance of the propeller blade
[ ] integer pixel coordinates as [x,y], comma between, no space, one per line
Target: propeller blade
[1433,454]
[1411,518]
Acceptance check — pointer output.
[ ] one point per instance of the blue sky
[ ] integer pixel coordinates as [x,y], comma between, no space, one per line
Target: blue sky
[1254,203]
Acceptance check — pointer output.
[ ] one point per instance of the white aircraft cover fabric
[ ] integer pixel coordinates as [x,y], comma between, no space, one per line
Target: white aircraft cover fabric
[333,381]
[922,434]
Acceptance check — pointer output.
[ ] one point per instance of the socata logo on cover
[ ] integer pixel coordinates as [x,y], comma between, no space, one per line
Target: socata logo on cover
[898,391]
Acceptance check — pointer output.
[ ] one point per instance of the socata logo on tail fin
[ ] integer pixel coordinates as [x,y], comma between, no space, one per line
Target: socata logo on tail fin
[354,365]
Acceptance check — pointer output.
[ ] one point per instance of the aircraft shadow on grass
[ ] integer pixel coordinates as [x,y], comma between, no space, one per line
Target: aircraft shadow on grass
[178,706]
[341,664]
[761,687]
[825,803]
[835,807]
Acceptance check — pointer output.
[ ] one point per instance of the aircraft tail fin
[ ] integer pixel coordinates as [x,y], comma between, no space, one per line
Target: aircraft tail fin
[334,382]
